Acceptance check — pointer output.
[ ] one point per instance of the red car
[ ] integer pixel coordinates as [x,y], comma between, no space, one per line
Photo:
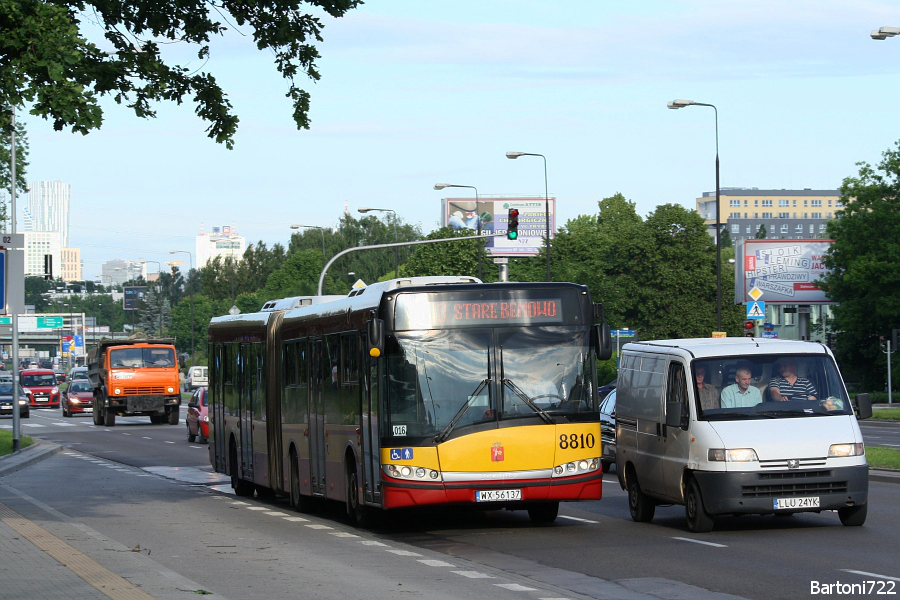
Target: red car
[197,418]
[41,388]
[78,399]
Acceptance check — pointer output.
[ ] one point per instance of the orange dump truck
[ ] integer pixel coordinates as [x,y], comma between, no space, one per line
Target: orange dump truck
[135,377]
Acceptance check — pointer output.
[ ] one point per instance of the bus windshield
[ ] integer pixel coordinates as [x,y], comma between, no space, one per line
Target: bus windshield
[769,386]
[448,379]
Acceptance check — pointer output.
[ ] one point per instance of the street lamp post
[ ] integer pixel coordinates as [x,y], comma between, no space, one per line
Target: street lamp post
[191,290]
[396,248]
[322,229]
[440,186]
[158,291]
[676,104]
[515,155]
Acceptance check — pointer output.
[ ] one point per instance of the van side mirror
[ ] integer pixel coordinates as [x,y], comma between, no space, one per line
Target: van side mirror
[863,406]
[375,334]
[676,415]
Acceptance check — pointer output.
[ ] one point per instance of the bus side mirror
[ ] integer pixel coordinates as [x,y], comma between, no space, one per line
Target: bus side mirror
[375,333]
[603,341]
[863,406]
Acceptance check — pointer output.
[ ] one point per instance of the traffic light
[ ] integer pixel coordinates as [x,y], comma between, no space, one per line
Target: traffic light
[748,324]
[883,344]
[512,224]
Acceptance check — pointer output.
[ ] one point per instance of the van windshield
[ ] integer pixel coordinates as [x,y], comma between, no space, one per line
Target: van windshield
[768,386]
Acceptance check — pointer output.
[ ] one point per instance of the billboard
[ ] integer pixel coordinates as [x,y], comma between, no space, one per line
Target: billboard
[132,296]
[780,271]
[465,213]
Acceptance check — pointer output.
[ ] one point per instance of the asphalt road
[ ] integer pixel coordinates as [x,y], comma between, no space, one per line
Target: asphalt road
[159,494]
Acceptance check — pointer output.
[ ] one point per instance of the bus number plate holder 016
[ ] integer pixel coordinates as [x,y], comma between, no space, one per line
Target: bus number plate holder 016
[787,503]
[497,495]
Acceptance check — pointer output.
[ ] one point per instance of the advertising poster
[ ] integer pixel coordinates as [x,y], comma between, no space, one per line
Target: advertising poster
[132,296]
[491,212]
[780,271]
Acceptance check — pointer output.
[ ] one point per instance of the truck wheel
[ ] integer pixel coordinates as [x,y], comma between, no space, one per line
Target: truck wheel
[173,415]
[641,506]
[698,520]
[853,516]
[97,413]
[110,417]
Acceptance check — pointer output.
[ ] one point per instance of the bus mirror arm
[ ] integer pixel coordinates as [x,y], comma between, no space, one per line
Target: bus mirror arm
[375,333]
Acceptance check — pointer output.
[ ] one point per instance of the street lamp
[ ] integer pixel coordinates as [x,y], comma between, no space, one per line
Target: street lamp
[882,33]
[676,104]
[158,291]
[191,290]
[515,155]
[440,186]
[322,229]
[396,248]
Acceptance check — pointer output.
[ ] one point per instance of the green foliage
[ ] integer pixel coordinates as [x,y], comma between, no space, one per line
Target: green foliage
[886,414]
[444,258]
[883,458]
[6,439]
[50,64]
[761,233]
[725,239]
[863,277]
[6,159]
[296,276]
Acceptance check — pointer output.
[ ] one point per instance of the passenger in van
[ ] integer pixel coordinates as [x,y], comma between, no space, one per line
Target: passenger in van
[708,395]
[788,386]
[741,393]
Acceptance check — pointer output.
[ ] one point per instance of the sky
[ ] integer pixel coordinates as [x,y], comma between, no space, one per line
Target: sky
[414,93]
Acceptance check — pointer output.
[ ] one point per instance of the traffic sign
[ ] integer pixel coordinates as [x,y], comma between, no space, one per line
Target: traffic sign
[756,310]
[622,332]
[3,281]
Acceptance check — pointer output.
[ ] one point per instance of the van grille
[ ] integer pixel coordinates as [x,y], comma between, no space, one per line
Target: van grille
[785,484]
[150,390]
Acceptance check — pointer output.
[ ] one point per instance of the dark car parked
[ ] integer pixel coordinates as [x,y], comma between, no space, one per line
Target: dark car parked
[608,430]
[6,400]
[78,398]
[197,418]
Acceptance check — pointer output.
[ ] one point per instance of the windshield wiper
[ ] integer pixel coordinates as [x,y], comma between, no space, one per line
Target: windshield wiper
[459,414]
[524,397]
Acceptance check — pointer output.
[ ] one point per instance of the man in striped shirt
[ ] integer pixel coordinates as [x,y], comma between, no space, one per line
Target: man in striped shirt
[788,386]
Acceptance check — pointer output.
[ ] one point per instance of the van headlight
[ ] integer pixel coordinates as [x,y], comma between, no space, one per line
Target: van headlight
[846,450]
[732,455]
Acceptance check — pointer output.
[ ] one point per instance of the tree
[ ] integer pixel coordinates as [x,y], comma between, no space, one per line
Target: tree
[725,238]
[154,312]
[49,63]
[761,233]
[6,158]
[443,258]
[862,261]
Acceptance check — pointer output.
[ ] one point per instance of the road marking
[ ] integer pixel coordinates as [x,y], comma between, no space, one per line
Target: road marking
[258,508]
[273,513]
[372,543]
[871,574]
[473,574]
[318,526]
[168,442]
[147,438]
[296,519]
[684,539]
[577,519]
[435,563]
[98,576]
[515,587]
[403,552]
[344,534]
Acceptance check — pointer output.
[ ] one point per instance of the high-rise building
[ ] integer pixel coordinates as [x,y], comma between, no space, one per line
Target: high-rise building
[47,208]
[223,241]
[785,214]
[70,264]
[38,245]
[118,271]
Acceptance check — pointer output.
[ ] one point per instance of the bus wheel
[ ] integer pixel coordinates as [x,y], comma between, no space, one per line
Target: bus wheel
[110,417]
[641,506]
[299,502]
[240,487]
[545,512]
[358,512]
[698,520]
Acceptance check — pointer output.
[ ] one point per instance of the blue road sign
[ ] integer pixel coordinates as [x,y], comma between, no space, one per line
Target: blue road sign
[3,281]
[756,310]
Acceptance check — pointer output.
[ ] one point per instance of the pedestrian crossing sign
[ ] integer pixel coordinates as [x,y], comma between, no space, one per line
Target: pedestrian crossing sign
[756,310]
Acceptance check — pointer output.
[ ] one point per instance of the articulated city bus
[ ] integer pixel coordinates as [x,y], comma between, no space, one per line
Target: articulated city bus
[412,392]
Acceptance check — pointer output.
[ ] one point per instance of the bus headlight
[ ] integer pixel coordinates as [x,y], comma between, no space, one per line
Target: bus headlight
[585,465]
[846,450]
[411,473]
[732,455]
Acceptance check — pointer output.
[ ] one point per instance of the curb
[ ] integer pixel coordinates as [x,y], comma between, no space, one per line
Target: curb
[34,453]
[884,475]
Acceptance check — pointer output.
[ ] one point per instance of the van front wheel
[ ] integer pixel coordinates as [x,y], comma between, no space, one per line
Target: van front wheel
[698,520]
[853,516]
[641,506]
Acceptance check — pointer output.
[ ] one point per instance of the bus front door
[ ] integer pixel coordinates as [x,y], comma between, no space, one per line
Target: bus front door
[246,399]
[318,379]
[217,405]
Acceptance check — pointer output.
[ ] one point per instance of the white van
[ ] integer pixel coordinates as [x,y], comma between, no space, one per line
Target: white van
[770,431]
[196,377]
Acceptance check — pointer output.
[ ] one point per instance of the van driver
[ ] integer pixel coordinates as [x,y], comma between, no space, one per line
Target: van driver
[788,386]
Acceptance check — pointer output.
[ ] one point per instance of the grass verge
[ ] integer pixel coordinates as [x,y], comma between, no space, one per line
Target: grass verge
[883,458]
[886,414]
[6,442]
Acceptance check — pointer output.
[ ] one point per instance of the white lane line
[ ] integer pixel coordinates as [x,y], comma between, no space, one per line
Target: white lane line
[473,574]
[344,534]
[273,513]
[147,438]
[296,519]
[577,519]
[258,508]
[168,442]
[372,543]
[684,539]
[404,553]
[515,587]
[435,563]
[871,574]
[317,526]
[122,432]
[240,504]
